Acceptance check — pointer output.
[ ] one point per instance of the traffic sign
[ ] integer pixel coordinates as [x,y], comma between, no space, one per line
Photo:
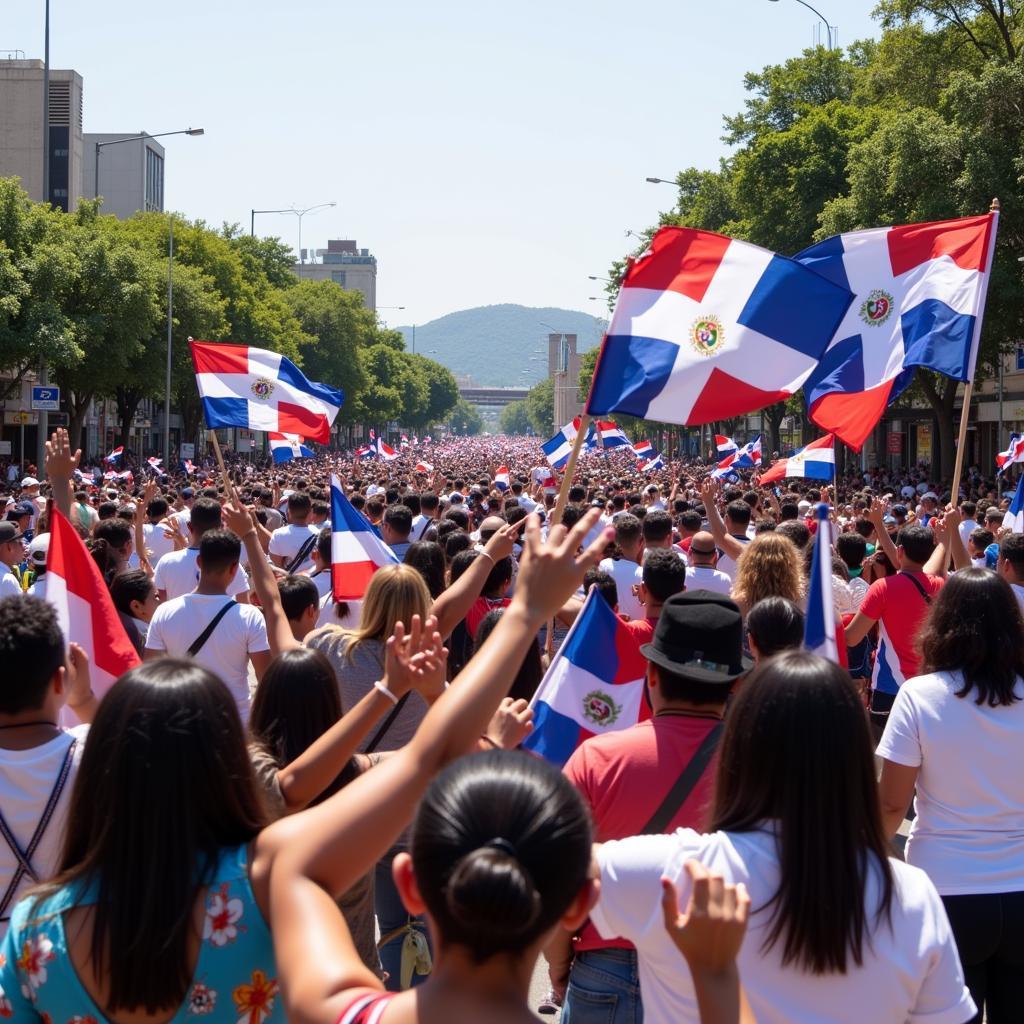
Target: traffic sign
[46,399]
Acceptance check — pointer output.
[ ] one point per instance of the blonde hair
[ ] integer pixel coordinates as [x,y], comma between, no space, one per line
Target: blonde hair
[768,567]
[396,593]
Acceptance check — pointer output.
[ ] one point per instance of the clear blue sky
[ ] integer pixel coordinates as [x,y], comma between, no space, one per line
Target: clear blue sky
[484,153]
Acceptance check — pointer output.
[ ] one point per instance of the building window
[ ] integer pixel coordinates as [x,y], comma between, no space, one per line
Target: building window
[1020,357]
[154,180]
[338,276]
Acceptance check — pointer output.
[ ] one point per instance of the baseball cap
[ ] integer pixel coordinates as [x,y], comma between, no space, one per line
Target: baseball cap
[9,531]
[19,509]
[187,492]
[30,481]
[38,548]
[899,510]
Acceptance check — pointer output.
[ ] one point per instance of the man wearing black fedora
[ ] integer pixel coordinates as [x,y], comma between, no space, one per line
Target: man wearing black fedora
[654,777]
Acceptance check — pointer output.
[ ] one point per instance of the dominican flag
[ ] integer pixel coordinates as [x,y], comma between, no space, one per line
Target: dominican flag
[501,478]
[85,609]
[365,452]
[747,457]
[652,464]
[188,467]
[816,461]
[424,467]
[154,463]
[1015,453]
[920,298]
[384,451]
[608,435]
[643,449]
[725,445]
[820,624]
[285,447]
[1014,518]
[356,551]
[261,390]
[126,475]
[115,454]
[706,328]
[594,685]
[558,449]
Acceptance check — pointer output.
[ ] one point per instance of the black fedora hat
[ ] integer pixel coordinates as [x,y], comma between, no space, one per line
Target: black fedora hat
[699,636]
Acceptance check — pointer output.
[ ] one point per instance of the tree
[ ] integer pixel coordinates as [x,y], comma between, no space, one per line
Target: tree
[993,27]
[540,407]
[515,419]
[465,420]
[442,392]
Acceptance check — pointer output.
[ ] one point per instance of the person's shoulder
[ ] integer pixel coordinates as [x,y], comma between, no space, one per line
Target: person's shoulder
[915,892]
[166,609]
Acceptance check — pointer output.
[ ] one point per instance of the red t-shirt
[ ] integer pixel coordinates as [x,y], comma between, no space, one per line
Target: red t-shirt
[624,776]
[479,609]
[642,630]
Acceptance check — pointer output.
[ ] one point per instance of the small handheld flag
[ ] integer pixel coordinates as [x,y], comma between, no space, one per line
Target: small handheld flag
[424,467]
[189,467]
[1014,518]
[816,461]
[725,445]
[820,625]
[501,478]
[747,457]
[643,450]
[115,454]
[652,464]
[356,551]
[558,449]
[385,451]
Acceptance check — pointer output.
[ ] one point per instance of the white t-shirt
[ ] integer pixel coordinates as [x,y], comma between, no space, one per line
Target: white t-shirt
[288,541]
[420,525]
[969,830]
[626,575]
[178,574]
[726,563]
[27,778]
[157,543]
[910,972]
[178,623]
[9,585]
[328,614]
[966,528]
[704,577]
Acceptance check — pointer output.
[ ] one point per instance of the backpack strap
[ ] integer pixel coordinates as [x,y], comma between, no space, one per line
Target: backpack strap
[684,784]
[24,857]
[301,556]
[200,641]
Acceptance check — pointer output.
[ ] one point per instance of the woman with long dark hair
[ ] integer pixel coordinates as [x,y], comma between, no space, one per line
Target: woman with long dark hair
[838,930]
[956,734]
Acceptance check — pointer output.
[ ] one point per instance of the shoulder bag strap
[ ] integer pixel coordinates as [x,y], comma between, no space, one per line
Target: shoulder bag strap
[918,586]
[24,858]
[388,722]
[683,786]
[200,641]
[301,556]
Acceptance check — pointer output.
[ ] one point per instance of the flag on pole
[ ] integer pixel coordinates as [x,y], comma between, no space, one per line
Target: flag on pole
[189,467]
[154,463]
[1014,518]
[725,445]
[820,624]
[501,478]
[115,454]
[356,551]
[920,298]
[1014,453]
[424,467]
[747,457]
[365,452]
[643,450]
[427,439]
[261,390]
[594,685]
[815,461]
[285,447]
[373,434]
[403,442]
[558,449]
[85,610]
[385,451]
[652,464]
[708,327]
[607,435]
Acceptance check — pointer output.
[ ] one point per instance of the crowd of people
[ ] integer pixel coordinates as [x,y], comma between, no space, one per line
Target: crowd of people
[300,809]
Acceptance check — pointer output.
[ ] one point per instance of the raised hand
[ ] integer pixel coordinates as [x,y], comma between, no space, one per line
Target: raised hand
[60,462]
[502,542]
[237,517]
[415,658]
[510,724]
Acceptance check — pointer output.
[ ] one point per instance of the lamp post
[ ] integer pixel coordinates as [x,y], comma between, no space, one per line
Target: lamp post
[170,325]
[828,27]
[141,137]
[44,419]
[662,181]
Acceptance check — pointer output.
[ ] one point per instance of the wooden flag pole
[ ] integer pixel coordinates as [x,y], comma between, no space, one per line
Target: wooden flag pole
[220,462]
[570,470]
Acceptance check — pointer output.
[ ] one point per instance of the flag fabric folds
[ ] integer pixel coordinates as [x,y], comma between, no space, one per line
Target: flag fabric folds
[285,447]
[115,454]
[746,457]
[920,297]
[816,461]
[356,551]
[501,478]
[820,624]
[261,390]
[1013,454]
[643,450]
[1014,518]
[652,464]
[189,467]
[594,684]
[384,451]
[606,434]
[708,327]
[725,445]
[558,448]
[364,452]
[85,610]
[424,467]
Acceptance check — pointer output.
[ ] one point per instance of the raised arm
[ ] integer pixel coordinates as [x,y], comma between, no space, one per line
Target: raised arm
[961,560]
[60,466]
[938,563]
[877,514]
[709,491]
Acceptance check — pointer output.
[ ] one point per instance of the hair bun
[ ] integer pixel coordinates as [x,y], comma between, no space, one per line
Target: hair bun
[490,884]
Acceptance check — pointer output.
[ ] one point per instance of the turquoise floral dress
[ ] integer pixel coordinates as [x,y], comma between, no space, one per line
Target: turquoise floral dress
[235,978]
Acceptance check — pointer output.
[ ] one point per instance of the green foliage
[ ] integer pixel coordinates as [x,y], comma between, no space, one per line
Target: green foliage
[464,420]
[540,407]
[515,419]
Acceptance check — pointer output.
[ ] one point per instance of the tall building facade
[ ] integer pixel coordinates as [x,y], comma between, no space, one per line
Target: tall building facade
[346,264]
[22,137]
[564,371]
[131,174]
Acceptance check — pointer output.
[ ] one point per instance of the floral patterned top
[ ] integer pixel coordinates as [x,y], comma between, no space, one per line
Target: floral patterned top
[235,978]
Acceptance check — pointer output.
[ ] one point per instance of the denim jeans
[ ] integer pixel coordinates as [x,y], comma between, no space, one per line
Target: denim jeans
[391,914]
[604,988]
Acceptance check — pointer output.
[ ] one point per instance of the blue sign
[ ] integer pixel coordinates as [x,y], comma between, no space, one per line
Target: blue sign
[46,399]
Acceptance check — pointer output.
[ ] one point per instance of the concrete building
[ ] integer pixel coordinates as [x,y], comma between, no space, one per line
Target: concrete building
[564,371]
[21,130]
[131,174]
[346,264]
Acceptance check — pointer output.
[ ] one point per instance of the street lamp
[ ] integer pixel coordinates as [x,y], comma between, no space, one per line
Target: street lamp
[828,27]
[595,277]
[291,209]
[661,181]
[142,136]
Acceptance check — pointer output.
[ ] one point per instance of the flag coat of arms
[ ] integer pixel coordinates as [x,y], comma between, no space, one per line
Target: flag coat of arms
[594,684]
[707,327]
[261,390]
[920,296]
[356,551]
[815,461]
[285,447]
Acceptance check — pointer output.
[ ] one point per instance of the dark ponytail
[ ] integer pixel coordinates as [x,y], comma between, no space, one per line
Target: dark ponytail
[501,846]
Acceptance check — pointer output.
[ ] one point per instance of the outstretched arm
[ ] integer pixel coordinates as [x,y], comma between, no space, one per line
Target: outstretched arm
[60,466]
[709,491]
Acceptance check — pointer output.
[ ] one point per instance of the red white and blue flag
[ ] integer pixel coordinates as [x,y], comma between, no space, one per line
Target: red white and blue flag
[708,327]
[154,463]
[501,478]
[1014,453]
[115,454]
[261,390]
[643,450]
[285,447]
[356,551]
[747,457]
[385,451]
[424,467]
[188,467]
[816,461]
[365,452]
[559,447]
[820,624]
[920,298]
[594,685]
[725,445]
[657,462]
[606,434]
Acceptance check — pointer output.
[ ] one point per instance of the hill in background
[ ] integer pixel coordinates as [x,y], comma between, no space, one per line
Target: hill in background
[494,344]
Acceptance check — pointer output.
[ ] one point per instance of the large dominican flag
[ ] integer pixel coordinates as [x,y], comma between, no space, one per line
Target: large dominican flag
[356,551]
[815,461]
[920,296]
[261,390]
[594,685]
[708,327]
[85,609]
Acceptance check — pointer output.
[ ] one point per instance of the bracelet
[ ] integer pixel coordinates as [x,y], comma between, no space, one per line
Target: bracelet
[487,554]
[487,739]
[248,533]
[381,688]
[92,696]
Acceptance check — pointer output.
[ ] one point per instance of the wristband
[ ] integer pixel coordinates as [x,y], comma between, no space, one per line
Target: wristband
[381,688]
[487,554]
